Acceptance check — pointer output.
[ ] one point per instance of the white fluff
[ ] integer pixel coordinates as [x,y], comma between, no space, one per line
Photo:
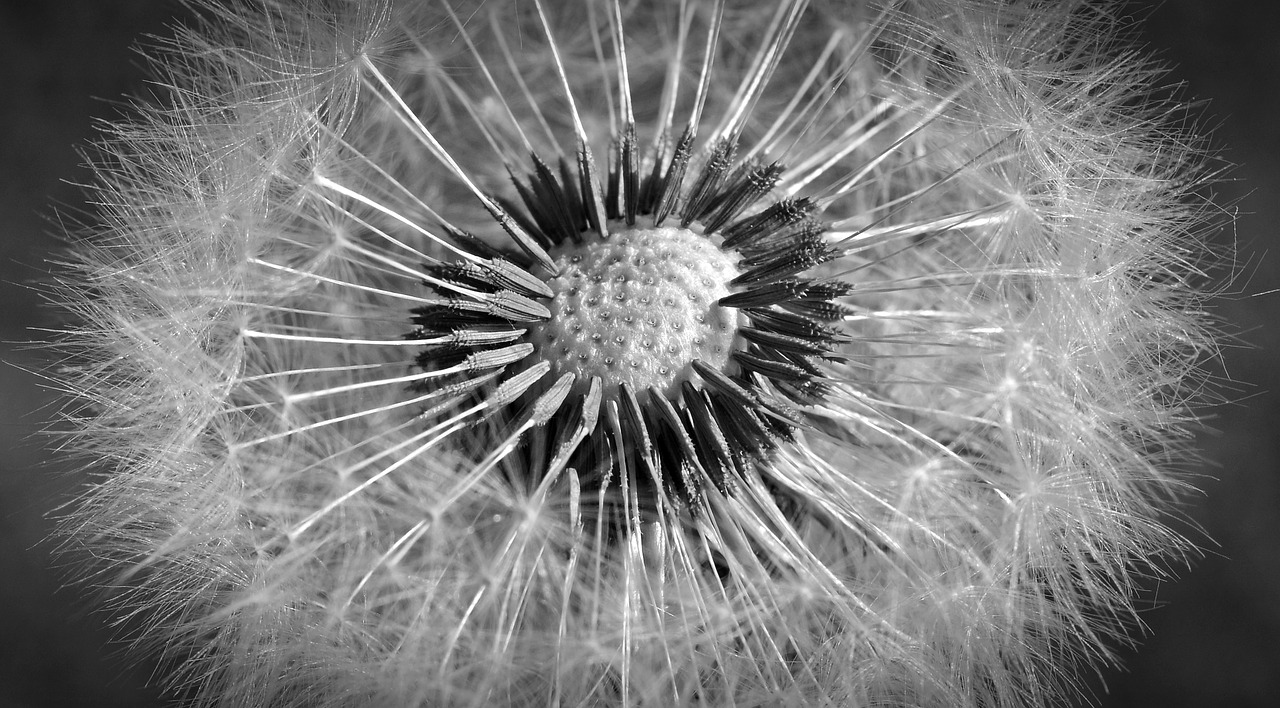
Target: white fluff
[963,523]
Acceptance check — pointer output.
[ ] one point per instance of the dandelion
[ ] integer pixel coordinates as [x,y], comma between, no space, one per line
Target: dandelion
[603,353]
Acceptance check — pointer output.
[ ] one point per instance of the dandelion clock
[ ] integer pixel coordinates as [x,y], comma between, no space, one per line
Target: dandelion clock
[592,353]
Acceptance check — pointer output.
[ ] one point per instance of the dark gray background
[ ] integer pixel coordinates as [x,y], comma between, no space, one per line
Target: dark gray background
[1215,631]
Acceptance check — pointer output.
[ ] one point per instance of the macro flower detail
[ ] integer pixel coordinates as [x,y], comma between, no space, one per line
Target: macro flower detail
[601,353]
[640,311]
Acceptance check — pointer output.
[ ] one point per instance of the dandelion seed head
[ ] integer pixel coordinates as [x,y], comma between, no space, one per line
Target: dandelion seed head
[602,353]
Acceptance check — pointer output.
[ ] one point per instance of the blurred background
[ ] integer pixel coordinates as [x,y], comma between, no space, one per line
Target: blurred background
[1214,632]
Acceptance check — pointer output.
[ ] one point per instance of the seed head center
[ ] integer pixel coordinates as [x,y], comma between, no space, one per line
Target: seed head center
[639,308]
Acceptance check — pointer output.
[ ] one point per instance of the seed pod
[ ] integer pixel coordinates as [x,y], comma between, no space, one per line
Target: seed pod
[603,353]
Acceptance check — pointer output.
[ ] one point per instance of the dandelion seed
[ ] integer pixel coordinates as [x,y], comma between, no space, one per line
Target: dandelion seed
[592,353]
